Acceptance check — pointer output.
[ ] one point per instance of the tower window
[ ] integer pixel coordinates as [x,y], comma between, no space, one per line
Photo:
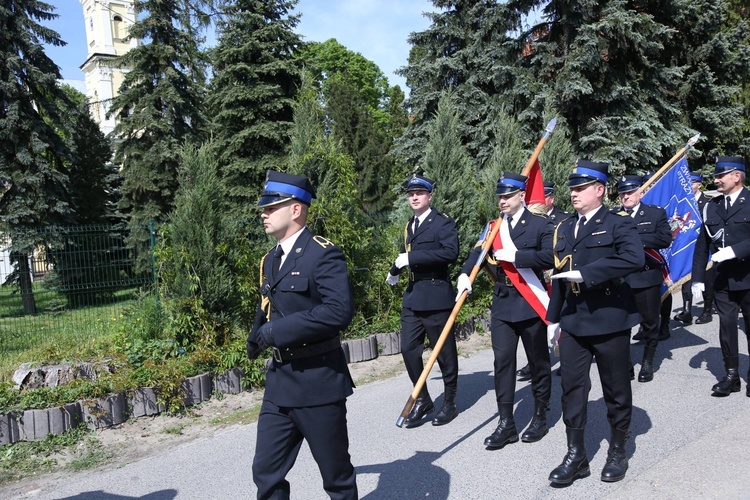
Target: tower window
[117,27]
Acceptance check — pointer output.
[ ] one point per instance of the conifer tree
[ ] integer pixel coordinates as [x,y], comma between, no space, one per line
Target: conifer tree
[454,53]
[446,161]
[159,110]
[251,102]
[33,175]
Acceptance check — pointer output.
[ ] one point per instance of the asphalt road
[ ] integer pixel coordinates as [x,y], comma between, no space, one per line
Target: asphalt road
[685,443]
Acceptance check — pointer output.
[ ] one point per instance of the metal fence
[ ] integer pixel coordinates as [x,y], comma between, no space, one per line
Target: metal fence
[74,283]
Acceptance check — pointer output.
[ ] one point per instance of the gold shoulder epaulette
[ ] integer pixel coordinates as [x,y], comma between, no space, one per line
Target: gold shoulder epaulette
[322,241]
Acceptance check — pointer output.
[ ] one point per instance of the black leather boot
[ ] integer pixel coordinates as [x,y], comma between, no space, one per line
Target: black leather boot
[524,373]
[664,330]
[647,365]
[448,411]
[506,428]
[537,429]
[575,464]
[706,315]
[685,316]
[729,384]
[640,334]
[617,458]
[422,406]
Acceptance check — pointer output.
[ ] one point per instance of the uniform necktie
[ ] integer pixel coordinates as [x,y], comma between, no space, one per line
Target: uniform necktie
[629,211]
[727,203]
[277,259]
[579,226]
[510,222]
[416,224]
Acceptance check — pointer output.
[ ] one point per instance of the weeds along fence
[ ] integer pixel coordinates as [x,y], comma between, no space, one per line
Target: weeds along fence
[69,284]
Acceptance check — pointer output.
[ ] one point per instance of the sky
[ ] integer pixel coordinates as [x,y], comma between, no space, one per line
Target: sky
[377,29]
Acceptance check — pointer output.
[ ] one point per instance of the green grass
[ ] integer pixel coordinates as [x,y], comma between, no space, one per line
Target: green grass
[24,459]
[55,332]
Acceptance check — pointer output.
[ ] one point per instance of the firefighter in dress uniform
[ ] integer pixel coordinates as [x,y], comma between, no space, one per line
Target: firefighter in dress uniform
[306,302]
[591,312]
[726,234]
[430,247]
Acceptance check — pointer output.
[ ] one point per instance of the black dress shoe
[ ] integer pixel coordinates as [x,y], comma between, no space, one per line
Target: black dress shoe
[729,384]
[684,317]
[422,406]
[640,335]
[632,373]
[706,317]
[524,374]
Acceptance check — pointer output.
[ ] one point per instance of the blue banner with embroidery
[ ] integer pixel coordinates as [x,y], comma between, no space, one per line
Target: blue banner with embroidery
[673,192]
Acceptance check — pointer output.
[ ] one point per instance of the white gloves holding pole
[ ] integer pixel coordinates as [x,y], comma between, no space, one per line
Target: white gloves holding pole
[463,283]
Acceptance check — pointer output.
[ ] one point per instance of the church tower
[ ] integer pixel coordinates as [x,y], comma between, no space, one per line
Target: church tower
[107,25]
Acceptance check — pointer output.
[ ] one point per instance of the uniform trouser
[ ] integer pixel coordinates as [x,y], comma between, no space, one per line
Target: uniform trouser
[648,301]
[728,304]
[415,325]
[612,360]
[280,434]
[533,334]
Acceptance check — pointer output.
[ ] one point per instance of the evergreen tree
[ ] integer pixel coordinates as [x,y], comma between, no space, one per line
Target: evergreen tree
[251,103]
[159,110]
[198,255]
[33,156]
[454,53]
[352,123]
[363,112]
[446,161]
[94,179]
[714,46]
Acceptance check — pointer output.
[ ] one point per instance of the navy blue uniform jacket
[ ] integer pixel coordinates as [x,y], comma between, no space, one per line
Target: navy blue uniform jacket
[730,229]
[433,248]
[315,303]
[532,235]
[606,251]
[655,233]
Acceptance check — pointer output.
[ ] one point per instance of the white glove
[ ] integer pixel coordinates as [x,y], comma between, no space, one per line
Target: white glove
[463,283]
[697,290]
[391,279]
[573,276]
[402,260]
[553,334]
[505,255]
[725,253]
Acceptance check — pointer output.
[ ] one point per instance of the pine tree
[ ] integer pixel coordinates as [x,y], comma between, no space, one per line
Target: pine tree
[714,46]
[159,110]
[446,161]
[94,179]
[454,53]
[35,183]
[251,102]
